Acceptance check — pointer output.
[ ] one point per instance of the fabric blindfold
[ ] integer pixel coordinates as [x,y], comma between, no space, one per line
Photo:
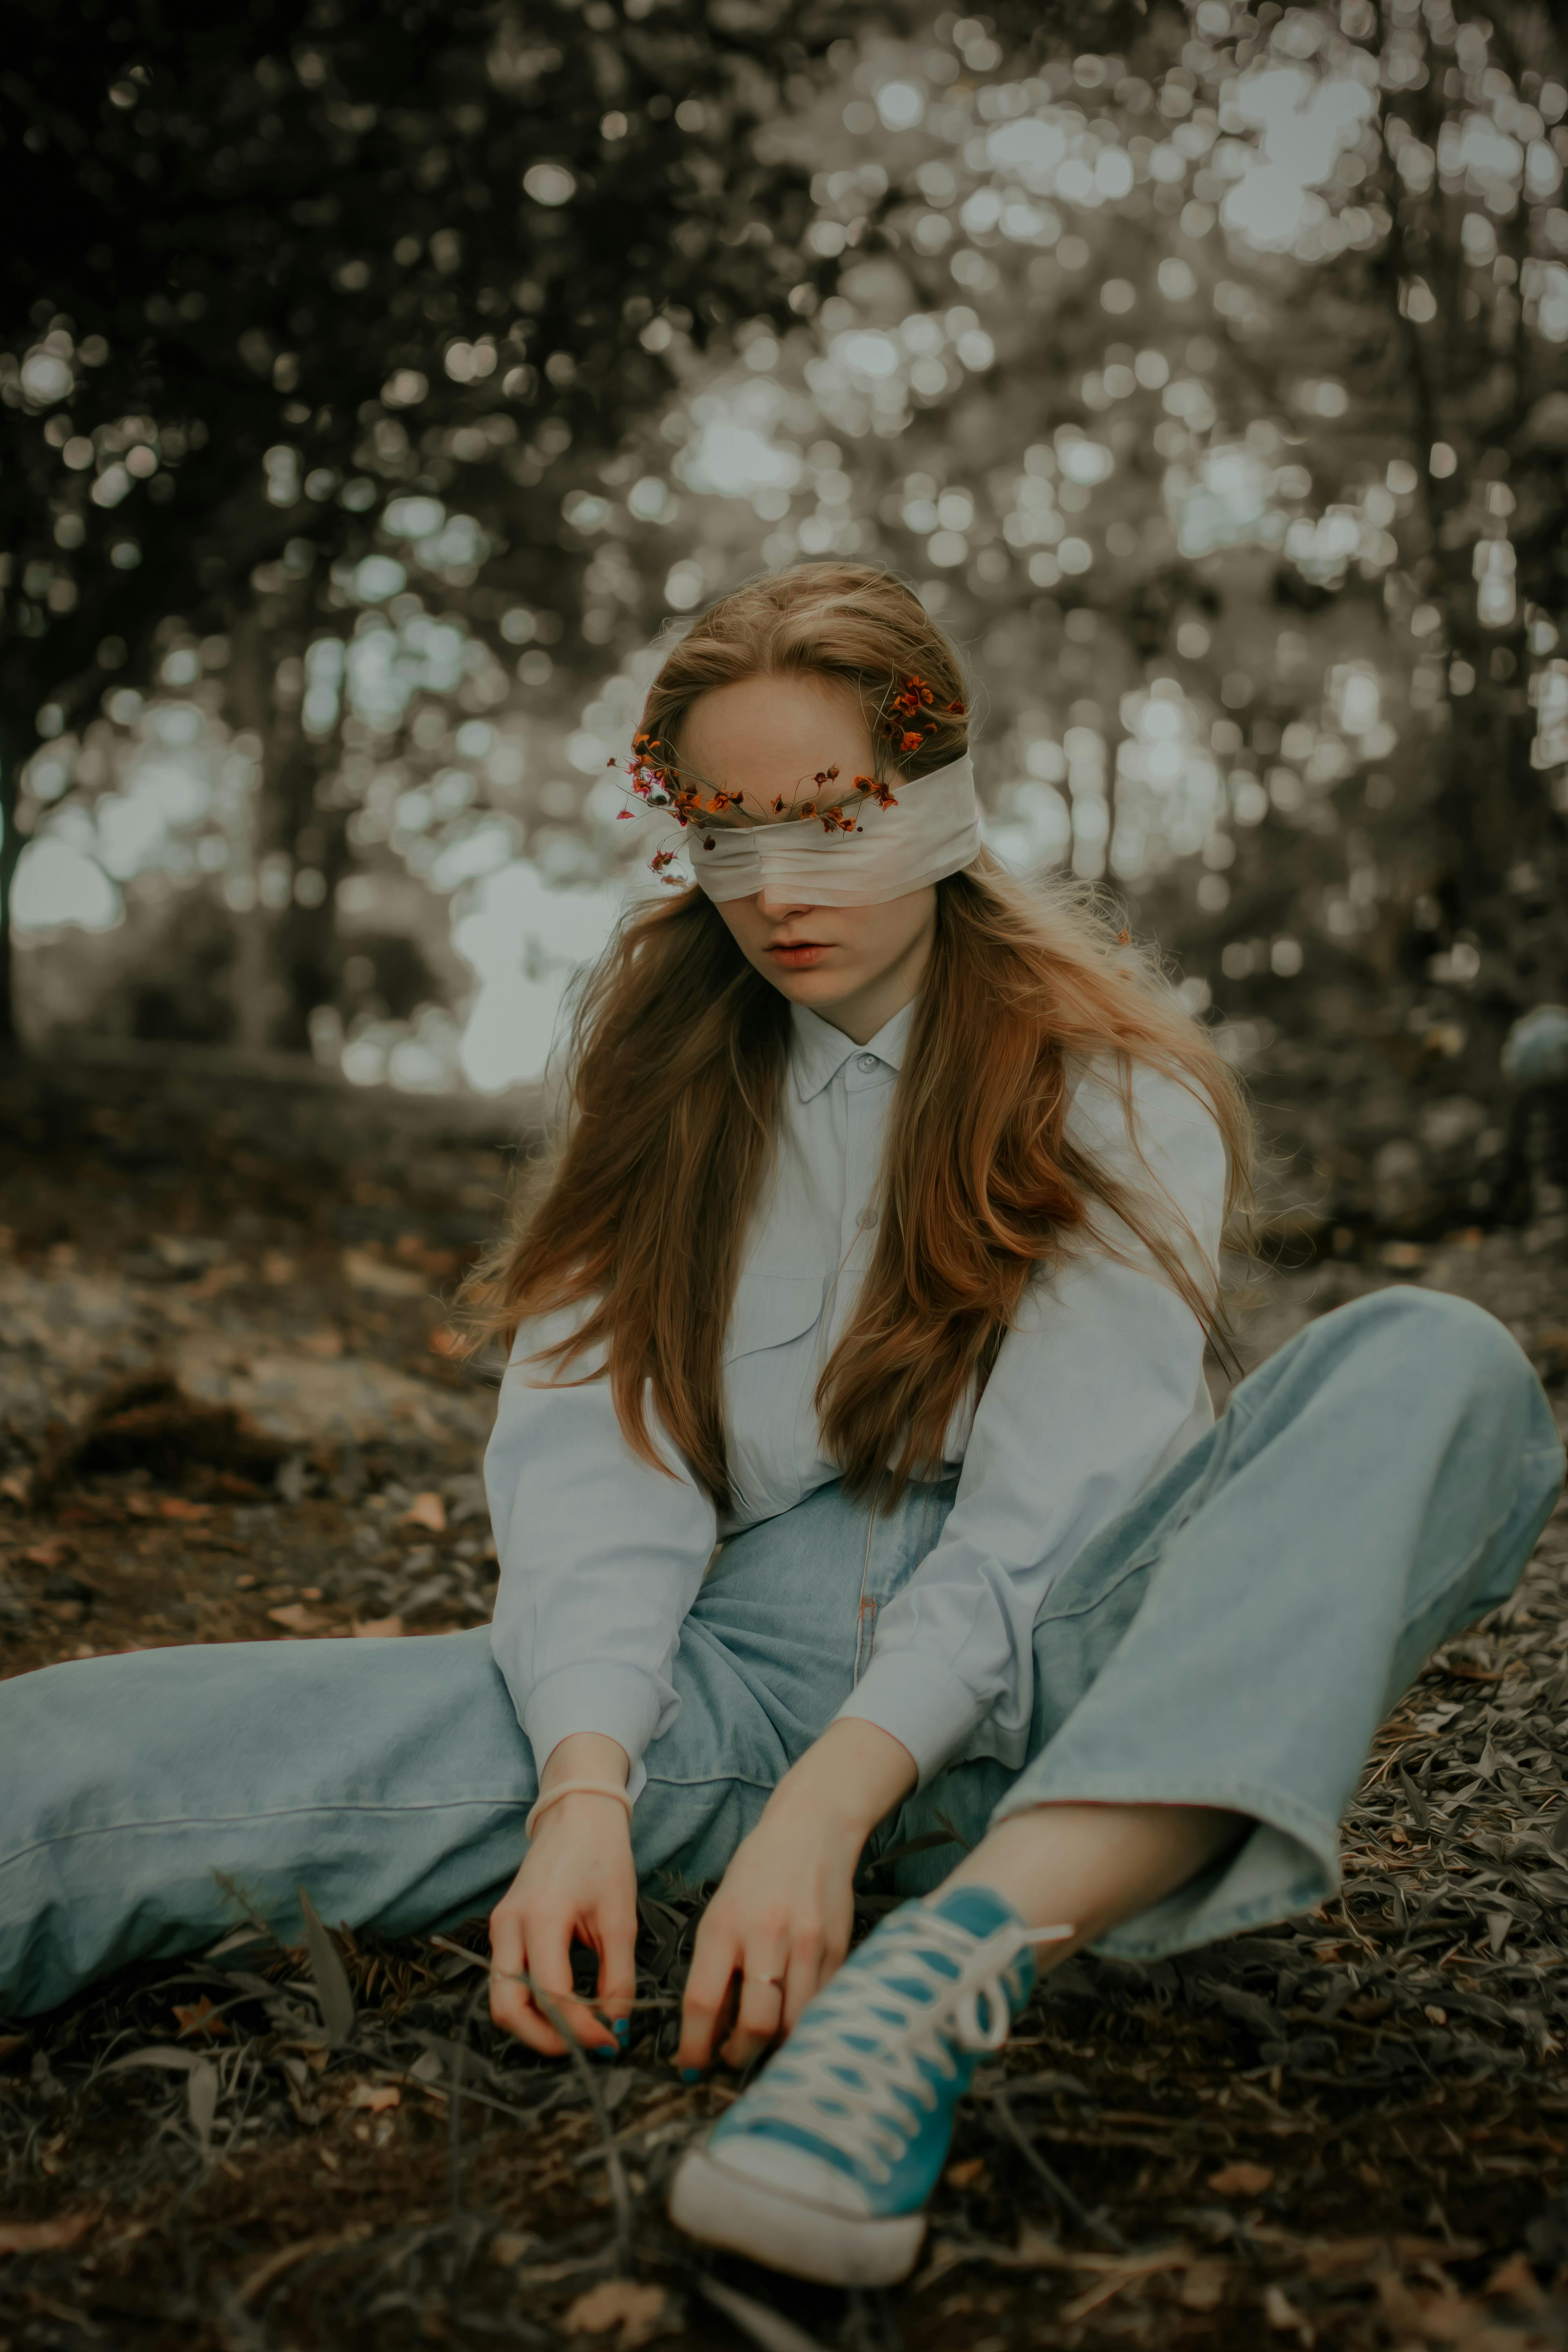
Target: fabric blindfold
[931,829]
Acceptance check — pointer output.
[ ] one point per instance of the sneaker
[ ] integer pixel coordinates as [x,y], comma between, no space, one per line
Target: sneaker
[823,2166]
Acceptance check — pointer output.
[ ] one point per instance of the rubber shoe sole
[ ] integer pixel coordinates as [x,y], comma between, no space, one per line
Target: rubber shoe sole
[820,2242]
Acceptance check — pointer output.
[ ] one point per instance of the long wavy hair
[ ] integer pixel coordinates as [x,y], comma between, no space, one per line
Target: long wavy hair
[638,1216]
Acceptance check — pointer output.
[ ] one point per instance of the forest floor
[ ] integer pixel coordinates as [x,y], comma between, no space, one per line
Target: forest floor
[230,1410]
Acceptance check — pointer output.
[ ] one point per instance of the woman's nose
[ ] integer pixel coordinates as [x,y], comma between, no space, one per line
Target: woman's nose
[778,906]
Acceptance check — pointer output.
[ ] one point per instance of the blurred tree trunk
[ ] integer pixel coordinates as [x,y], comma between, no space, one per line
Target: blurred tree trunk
[289,957]
[1472,378]
[15,753]
[305,958]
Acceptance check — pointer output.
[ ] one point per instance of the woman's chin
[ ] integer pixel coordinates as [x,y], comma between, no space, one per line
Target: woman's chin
[817,985]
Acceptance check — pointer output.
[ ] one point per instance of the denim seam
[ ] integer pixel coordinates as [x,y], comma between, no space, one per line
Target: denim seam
[1146,1556]
[861,1661]
[712,1781]
[1454,1576]
[273,1814]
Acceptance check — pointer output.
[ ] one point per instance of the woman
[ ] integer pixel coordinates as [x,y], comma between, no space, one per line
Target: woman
[878,1253]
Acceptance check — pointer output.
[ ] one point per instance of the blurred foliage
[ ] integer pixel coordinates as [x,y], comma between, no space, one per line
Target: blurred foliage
[1202,364]
[1213,390]
[286,265]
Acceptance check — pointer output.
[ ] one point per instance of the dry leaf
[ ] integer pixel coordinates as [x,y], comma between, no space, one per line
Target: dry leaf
[378,1629]
[1282,2313]
[332,1987]
[47,1555]
[428,1511]
[295,1618]
[1204,2287]
[1241,2179]
[509,2246]
[199,2017]
[636,2310]
[367,1273]
[328,1343]
[14,1487]
[967,2174]
[157,2054]
[445,1341]
[261,2278]
[1516,2279]
[1119,2273]
[200,2101]
[174,1506]
[46,2237]
[375,2096]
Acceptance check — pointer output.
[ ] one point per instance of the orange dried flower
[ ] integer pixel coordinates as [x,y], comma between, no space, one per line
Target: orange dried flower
[655,779]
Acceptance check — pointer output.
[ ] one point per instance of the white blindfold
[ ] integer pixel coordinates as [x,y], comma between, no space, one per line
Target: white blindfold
[927,830]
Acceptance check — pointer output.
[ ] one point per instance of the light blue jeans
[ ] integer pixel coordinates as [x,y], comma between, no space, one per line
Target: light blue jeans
[1232,1639]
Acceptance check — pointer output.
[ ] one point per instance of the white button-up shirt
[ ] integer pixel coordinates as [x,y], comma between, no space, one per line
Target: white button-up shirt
[1095,1391]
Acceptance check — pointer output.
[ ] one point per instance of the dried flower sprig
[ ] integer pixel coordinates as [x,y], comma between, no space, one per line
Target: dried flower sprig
[904,719]
[657,780]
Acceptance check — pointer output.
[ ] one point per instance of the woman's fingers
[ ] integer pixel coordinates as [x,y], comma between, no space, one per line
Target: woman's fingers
[810,1966]
[510,2007]
[549,1974]
[714,1963]
[529,1957]
[513,2005]
[761,2011]
[618,1973]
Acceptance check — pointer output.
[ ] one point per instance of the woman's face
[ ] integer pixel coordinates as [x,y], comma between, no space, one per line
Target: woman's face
[857,966]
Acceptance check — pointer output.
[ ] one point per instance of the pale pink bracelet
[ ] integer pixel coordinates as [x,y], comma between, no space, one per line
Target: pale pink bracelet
[575,1789]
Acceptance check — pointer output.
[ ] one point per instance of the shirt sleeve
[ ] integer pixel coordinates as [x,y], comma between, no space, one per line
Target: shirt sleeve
[1095,1391]
[601,1556]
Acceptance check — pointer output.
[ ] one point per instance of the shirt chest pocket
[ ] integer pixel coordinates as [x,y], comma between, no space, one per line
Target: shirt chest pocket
[771,1310]
[770,1376]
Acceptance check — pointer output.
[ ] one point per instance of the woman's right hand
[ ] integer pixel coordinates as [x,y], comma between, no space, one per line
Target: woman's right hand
[577,1884]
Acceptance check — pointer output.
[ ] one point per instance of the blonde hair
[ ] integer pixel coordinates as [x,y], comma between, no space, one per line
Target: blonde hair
[678,1056]
[843,622]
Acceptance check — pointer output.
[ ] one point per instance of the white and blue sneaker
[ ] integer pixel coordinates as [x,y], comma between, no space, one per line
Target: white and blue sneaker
[823,2166]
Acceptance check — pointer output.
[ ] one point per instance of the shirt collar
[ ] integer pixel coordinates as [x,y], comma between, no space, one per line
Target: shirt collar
[818,1051]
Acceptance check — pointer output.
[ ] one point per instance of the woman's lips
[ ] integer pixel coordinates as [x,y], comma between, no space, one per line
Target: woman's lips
[796,955]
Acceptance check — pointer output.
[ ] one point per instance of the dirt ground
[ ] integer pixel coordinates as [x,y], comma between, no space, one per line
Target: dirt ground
[230,1410]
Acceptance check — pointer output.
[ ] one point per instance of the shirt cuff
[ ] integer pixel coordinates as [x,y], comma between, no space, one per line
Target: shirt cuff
[920,1702]
[621,1702]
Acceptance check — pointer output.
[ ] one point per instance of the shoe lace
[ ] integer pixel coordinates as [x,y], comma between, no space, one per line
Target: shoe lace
[866,2061]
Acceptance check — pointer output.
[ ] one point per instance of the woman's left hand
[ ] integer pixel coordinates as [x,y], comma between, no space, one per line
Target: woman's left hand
[782,1920]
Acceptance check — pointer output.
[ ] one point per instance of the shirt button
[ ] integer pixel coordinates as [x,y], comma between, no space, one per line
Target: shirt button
[865,1062]
[870,1217]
